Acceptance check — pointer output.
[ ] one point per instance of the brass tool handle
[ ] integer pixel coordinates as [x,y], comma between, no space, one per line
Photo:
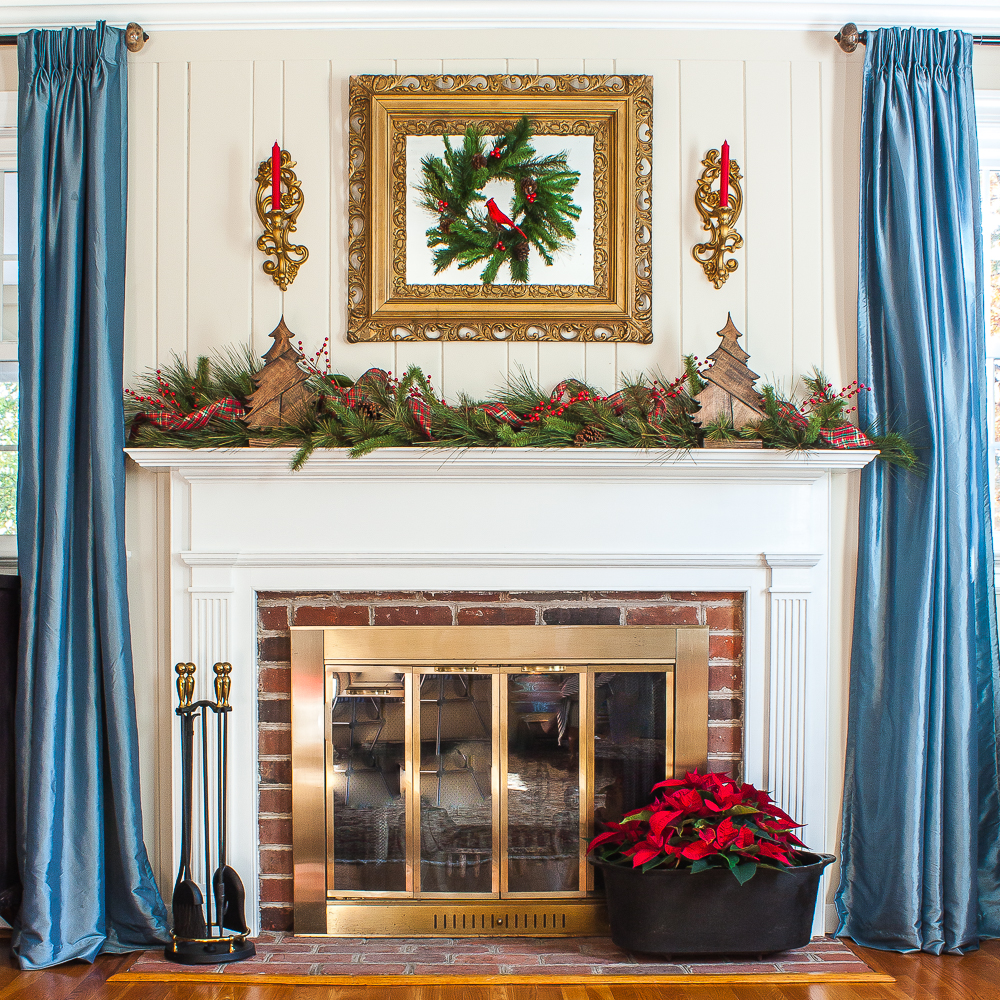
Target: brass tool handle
[222,684]
[185,683]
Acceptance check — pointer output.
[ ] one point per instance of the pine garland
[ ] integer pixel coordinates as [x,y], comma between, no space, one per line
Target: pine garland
[647,412]
[542,211]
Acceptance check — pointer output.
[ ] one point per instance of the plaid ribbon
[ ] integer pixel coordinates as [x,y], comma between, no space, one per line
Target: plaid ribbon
[226,408]
[617,402]
[502,413]
[356,393]
[421,412]
[792,415]
[845,436]
[567,388]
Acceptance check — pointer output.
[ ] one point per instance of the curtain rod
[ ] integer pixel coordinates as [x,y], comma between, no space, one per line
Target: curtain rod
[135,37]
[849,38]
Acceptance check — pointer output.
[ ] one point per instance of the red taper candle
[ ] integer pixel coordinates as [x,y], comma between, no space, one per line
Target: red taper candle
[724,177]
[276,177]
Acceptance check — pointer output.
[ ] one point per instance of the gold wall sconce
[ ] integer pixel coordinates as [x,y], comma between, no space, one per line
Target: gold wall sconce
[718,218]
[278,211]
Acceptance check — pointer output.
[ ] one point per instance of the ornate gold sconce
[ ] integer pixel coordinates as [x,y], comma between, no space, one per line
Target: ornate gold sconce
[718,220]
[279,222]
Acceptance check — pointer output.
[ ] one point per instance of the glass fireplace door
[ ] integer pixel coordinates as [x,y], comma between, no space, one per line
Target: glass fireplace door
[457,822]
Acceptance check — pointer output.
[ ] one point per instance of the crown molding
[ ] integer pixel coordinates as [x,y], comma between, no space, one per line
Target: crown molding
[167,15]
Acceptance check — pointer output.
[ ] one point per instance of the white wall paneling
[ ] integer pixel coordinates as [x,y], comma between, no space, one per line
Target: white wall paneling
[205,108]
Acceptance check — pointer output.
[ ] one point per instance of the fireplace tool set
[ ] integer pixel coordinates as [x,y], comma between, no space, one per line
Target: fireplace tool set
[199,934]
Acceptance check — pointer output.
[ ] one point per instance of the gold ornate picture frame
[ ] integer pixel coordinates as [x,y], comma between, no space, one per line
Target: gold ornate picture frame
[613,114]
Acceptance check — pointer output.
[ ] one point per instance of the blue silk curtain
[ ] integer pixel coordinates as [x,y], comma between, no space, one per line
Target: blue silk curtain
[920,855]
[88,886]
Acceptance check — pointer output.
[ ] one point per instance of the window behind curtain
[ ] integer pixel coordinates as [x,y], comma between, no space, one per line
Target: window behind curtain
[8,321]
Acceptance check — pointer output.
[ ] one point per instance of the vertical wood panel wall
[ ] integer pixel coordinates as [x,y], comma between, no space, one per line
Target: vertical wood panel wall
[206,107]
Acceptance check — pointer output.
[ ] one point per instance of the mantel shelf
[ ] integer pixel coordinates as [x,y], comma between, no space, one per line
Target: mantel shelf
[441,464]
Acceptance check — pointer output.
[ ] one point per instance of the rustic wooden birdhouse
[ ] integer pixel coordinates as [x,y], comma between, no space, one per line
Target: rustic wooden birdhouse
[730,392]
[281,396]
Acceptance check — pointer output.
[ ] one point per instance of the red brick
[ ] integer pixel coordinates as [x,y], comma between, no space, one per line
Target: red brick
[548,596]
[276,710]
[496,616]
[360,971]
[276,890]
[434,614]
[710,595]
[725,969]
[275,772]
[274,743]
[378,595]
[582,615]
[276,863]
[275,832]
[726,616]
[272,619]
[725,739]
[275,680]
[725,647]
[629,595]
[664,614]
[658,969]
[275,918]
[275,649]
[355,614]
[274,595]
[734,768]
[458,596]
[723,677]
[275,800]
[724,709]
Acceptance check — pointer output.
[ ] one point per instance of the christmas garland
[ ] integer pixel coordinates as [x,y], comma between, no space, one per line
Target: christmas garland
[542,211]
[205,407]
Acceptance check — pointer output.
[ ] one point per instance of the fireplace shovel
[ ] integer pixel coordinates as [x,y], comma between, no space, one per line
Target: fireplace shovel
[189,915]
[230,896]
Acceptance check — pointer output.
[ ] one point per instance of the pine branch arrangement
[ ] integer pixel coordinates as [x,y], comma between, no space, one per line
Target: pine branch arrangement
[472,230]
[379,411]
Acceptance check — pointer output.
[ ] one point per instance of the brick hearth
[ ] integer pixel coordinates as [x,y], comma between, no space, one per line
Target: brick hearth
[276,611]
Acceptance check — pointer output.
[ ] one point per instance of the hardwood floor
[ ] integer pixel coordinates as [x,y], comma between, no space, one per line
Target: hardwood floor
[918,977]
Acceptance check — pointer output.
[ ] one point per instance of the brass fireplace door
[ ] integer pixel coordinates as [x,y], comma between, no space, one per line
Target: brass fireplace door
[447,780]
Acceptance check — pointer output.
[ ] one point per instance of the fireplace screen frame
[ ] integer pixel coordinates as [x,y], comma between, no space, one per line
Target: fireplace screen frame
[321,653]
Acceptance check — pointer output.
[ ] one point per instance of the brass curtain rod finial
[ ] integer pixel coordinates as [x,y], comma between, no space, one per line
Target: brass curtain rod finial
[135,37]
[849,38]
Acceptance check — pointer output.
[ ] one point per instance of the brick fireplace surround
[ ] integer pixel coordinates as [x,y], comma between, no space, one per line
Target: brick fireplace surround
[277,610]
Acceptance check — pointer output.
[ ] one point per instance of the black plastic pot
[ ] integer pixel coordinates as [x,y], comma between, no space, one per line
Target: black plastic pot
[672,912]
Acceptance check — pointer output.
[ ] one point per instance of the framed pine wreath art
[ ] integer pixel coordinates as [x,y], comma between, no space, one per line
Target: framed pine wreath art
[500,208]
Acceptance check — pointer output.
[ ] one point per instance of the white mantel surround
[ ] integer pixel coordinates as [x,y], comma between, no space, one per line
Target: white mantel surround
[517,519]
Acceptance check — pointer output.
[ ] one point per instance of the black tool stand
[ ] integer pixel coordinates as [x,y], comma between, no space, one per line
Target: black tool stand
[195,940]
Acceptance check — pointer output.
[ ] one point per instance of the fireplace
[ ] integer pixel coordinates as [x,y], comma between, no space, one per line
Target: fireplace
[769,526]
[446,780]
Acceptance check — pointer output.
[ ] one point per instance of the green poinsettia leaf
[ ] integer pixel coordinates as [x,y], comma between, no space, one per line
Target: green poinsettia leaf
[701,865]
[743,810]
[639,817]
[745,872]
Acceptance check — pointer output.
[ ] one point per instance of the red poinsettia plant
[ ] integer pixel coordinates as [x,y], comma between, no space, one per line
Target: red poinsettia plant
[702,821]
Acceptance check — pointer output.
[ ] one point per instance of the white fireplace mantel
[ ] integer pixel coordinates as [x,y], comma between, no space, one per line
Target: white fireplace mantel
[517,519]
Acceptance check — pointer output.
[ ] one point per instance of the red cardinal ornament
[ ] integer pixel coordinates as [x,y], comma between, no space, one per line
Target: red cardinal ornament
[499,218]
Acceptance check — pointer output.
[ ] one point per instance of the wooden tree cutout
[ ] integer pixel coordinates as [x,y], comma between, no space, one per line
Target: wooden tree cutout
[281,396]
[730,393]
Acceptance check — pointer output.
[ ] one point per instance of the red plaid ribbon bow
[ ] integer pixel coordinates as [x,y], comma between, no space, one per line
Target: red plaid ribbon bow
[226,408]
[793,415]
[356,393]
[502,413]
[846,436]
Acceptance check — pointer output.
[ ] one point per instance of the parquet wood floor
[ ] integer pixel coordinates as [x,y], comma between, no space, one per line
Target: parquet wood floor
[918,977]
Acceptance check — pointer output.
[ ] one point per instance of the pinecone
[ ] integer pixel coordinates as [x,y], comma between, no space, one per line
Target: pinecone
[445,224]
[591,434]
[520,250]
[366,408]
[478,161]
[529,186]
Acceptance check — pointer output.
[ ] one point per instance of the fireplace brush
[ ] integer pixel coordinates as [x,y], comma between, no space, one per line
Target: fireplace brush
[199,934]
